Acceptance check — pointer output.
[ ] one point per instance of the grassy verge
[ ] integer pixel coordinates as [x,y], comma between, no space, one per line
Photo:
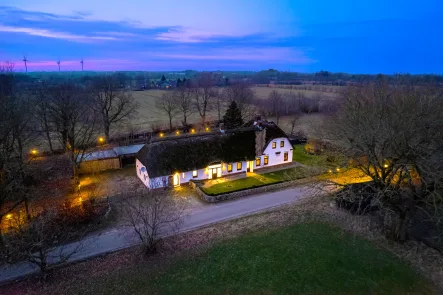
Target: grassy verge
[309,258]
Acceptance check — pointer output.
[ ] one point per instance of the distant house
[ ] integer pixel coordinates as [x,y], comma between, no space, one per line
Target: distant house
[175,161]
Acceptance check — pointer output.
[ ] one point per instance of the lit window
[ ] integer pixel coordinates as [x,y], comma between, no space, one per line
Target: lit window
[285,156]
[266,160]
[282,143]
[194,173]
[239,166]
[257,162]
[229,167]
[274,144]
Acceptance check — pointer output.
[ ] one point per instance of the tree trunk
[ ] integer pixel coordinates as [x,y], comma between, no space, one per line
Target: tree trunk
[48,136]
[170,123]
[107,127]
[402,227]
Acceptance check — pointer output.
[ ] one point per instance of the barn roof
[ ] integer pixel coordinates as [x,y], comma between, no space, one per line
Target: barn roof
[185,153]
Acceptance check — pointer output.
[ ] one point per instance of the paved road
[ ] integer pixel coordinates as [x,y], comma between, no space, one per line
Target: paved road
[120,238]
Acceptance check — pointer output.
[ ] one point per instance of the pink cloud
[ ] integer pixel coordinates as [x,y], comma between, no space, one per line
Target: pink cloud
[245,54]
[190,35]
[53,34]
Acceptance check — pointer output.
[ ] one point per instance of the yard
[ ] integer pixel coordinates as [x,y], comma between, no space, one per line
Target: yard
[309,258]
[255,180]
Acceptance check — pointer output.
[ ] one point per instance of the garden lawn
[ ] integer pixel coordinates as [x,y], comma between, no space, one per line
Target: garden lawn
[239,184]
[299,155]
[307,258]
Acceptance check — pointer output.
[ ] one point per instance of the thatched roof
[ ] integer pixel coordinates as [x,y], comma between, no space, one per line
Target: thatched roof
[185,153]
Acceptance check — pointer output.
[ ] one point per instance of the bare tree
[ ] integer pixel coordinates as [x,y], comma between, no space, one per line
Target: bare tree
[73,115]
[244,96]
[44,241]
[168,105]
[152,215]
[42,112]
[203,93]
[114,104]
[219,103]
[183,101]
[276,103]
[14,133]
[392,133]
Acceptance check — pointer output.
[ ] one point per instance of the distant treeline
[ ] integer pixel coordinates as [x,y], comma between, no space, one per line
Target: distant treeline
[147,80]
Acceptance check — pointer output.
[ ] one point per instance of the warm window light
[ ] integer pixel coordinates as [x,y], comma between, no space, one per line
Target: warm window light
[8,216]
[330,171]
[386,165]
[338,169]
[192,130]
[207,129]
[34,152]
[177,132]
[161,134]
[101,139]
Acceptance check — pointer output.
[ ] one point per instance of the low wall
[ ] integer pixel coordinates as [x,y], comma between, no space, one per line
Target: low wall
[247,192]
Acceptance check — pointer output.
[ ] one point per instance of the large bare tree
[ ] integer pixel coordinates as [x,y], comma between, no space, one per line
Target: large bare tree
[183,101]
[167,104]
[276,104]
[72,112]
[392,133]
[203,93]
[244,97]
[113,103]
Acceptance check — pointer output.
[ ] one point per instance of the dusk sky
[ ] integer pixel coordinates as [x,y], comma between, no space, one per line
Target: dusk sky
[389,36]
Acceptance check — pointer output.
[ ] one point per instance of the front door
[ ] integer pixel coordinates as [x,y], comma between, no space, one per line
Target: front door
[214,173]
[250,166]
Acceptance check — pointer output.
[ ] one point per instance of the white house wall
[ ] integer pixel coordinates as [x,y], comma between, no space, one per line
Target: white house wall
[274,157]
[142,173]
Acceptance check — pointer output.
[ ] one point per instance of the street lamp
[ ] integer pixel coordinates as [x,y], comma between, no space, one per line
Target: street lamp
[161,135]
[101,139]
[34,152]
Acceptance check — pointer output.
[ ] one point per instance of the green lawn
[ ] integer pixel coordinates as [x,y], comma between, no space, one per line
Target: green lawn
[299,155]
[308,258]
[239,184]
[256,180]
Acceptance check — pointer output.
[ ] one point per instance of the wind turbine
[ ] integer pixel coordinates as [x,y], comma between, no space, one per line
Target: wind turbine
[82,63]
[25,61]
[58,63]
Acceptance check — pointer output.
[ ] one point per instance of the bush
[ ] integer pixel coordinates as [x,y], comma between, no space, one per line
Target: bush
[315,146]
[357,198]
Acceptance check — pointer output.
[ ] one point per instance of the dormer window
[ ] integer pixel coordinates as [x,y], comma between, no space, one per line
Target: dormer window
[282,143]
[194,173]
[274,144]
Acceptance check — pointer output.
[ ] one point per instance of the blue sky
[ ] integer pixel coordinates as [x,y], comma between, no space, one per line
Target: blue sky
[341,36]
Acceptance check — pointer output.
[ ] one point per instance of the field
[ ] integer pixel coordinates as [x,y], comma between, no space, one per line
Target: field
[148,115]
[309,258]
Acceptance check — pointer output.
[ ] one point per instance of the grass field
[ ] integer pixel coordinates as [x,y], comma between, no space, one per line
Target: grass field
[149,115]
[307,258]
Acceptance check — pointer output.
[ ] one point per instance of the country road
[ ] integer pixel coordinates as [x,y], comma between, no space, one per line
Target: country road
[120,238]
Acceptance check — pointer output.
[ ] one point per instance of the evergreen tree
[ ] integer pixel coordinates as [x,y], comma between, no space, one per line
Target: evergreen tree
[233,118]
[163,78]
[179,82]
